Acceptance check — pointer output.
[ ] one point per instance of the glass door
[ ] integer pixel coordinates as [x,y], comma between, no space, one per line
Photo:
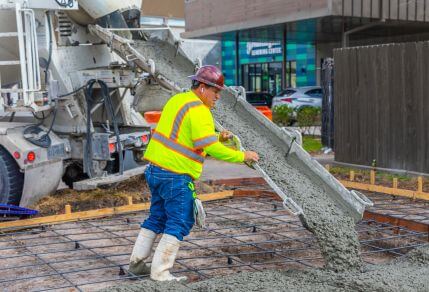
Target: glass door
[262,77]
[291,73]
[275,78]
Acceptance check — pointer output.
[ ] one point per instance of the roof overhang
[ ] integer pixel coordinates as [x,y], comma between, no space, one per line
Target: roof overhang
[216,32]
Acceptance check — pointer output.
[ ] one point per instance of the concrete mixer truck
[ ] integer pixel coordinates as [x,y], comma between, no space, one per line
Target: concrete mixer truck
[65,97]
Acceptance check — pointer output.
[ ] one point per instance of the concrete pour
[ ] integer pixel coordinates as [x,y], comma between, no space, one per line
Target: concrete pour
[409,273]
[335,231]
[171,63]
[168,60]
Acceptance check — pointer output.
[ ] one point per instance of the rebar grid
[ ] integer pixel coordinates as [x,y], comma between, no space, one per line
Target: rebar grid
[244,234]
[400,207]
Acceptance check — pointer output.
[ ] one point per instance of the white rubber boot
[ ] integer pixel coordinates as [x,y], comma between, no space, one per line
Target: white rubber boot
[163,259]
[141,252]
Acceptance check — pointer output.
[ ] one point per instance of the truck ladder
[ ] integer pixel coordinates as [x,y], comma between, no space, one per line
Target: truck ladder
[28,60]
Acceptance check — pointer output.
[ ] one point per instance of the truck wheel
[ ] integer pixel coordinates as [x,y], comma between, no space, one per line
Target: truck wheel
[73,173]
[11,179]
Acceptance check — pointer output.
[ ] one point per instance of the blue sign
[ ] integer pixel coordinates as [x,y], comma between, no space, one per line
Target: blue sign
[258,49]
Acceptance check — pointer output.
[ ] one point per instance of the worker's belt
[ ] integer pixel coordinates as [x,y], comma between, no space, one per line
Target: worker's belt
[173,145]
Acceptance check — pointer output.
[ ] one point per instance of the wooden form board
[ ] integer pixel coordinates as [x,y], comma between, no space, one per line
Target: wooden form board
[76,216]
[386,190]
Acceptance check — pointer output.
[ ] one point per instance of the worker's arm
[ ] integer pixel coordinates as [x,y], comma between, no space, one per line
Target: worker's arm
[221,152]
[205,137]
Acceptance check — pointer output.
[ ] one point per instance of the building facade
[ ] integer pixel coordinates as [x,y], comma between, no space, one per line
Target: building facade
[163,12]
[269,65]
[268,45]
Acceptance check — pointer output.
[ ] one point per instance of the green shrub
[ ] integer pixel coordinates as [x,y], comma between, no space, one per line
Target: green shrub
[283,115]
[308,117]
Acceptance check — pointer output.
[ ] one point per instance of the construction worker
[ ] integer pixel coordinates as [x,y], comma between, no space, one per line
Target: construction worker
[184,135]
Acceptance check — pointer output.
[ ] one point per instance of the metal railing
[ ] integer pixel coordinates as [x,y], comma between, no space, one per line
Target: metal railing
[28,58]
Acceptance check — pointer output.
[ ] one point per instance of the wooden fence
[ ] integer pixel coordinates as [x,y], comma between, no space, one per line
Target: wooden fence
[382,106]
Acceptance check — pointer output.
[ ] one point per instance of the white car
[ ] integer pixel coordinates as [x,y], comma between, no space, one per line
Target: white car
[299,97]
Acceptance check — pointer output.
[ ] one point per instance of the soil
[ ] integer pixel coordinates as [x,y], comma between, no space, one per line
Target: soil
[109,197]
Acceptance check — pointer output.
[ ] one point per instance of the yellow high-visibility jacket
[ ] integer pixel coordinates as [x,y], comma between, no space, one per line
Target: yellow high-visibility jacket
[184,135]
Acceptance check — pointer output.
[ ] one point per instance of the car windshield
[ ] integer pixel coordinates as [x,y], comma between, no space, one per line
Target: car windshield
[287,92]
[259,98]
[253,97]
[316,92]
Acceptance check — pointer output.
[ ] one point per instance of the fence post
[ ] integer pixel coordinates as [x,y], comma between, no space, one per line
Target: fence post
[130,200]
[420,184]
[372,177]
[395,182]
[352,175]
[68,209]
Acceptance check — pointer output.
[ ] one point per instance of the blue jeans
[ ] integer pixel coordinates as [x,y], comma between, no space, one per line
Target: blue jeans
[171,210]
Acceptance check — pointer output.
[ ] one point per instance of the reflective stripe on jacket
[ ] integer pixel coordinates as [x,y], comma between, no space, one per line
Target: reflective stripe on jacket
[183,136]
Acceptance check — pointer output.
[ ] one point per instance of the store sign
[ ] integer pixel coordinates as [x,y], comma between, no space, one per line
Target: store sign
[257,49]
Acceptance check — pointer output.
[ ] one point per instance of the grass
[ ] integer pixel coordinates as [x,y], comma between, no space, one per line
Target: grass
[311,144]
[380,175]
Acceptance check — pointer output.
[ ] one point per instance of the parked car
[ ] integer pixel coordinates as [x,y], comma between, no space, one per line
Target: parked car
[299,97]
[259,98]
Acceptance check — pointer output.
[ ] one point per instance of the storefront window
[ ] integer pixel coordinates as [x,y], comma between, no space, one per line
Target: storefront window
[263,77]
[291,73]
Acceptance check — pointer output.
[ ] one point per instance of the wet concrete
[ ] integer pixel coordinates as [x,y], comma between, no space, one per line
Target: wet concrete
[150,286]
[409,273]
[335,231]
[171,64]
[168,60]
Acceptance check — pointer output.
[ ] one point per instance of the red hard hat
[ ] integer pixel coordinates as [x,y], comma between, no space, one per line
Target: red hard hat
[210,75]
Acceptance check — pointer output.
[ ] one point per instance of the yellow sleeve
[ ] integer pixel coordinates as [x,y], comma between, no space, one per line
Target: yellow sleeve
[204,136]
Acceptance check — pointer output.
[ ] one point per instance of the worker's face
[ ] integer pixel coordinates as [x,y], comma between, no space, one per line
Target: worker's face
[209,95]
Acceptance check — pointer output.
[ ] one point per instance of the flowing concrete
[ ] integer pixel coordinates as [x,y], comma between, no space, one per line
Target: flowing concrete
[410,273]
[171,63]
[334,230]
[168,60]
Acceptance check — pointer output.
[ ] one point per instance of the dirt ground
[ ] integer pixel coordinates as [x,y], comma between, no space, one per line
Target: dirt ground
[137,188]
[112,196]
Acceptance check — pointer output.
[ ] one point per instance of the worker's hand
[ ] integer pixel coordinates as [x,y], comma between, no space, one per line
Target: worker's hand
[225,136]
[250,156]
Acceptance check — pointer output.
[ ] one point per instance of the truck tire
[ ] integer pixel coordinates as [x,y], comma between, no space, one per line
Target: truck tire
[73,173]
[11,179]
